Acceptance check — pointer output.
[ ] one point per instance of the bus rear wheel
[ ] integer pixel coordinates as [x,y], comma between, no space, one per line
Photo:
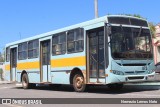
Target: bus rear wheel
[25,82]
[78,83]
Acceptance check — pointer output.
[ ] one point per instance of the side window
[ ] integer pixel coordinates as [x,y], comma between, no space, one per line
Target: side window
[59,44]
[75,41]
[33,49]
[7,54]
[22,51]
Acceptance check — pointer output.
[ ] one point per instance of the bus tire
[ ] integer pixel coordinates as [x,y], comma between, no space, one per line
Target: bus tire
[115,86]
[78,83]
[25,81]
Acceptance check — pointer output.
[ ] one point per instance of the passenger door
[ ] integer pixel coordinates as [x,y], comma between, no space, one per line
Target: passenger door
[96,58]
[13,64]
[45,60]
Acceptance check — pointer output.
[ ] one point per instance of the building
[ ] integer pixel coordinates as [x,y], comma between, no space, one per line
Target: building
[156,44]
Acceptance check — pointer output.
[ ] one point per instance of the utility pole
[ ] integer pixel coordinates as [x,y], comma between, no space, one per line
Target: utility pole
[96,8]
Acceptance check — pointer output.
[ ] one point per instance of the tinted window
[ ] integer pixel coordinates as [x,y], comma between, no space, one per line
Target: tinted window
[127,21]
[33,49]
[118,20]
[46,52]
[75,41]
[59,44]
[22,51]
[131,43]
[138,22]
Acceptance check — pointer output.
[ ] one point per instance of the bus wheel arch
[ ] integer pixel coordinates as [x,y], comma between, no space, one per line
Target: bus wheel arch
[77,79]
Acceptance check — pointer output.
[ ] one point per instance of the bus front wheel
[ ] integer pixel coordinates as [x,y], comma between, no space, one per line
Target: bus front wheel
[78,83]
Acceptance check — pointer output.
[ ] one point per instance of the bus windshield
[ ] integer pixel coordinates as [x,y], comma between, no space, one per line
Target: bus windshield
[130,43]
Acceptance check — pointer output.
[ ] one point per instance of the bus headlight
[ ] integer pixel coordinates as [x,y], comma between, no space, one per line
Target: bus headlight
[151,71]
[117,72]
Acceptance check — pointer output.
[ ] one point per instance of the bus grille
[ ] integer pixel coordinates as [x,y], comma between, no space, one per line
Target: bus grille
[135,78]
[135,72]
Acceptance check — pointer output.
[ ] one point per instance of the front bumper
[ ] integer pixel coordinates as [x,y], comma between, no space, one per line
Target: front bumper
[131,78]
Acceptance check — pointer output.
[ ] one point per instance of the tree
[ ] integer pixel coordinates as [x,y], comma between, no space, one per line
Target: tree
[1,57]
[1,74]
[135,15]
[152,28]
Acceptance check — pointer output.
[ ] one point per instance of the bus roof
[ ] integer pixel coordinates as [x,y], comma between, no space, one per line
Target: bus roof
[93,21]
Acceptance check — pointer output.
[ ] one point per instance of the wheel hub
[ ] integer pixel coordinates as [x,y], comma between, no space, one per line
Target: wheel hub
[24,82]
[79,82]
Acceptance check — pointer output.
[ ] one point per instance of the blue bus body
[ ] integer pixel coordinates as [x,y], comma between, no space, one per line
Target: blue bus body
[100,50]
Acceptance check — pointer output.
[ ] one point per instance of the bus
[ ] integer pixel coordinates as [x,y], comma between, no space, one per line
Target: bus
[110,50]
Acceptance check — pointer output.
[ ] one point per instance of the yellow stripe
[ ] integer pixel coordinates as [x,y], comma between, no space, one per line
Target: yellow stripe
[28,65]
[7,67]
[65,62]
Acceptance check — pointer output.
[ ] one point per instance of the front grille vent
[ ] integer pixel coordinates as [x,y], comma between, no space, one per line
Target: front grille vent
[135,78]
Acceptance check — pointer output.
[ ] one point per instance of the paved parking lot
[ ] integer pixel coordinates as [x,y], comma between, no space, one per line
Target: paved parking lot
[129,91]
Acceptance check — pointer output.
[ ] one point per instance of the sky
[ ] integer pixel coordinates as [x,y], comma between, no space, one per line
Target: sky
[21,19]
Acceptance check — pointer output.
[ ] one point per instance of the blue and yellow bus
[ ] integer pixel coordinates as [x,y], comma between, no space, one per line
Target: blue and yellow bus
[110,50]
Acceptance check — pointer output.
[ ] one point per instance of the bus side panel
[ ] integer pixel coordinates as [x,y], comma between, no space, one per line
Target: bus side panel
[32,67]
[34,77]
[7,76]
[60,77]
[18,78]
[62,65]
[7,72]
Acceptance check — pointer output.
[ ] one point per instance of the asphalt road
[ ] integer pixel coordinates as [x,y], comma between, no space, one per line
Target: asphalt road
[129,91]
